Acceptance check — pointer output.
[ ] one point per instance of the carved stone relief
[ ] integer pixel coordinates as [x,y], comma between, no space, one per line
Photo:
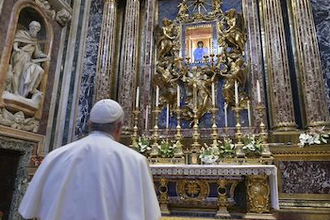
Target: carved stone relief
[62,15]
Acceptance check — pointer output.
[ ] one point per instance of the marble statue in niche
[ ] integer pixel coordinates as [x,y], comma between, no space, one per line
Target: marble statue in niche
[25,64]
[23,95]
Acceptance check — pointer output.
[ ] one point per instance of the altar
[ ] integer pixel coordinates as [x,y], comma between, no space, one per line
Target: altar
[224,189]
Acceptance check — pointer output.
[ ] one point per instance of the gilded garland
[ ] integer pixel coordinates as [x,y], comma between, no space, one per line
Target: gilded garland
[195,71]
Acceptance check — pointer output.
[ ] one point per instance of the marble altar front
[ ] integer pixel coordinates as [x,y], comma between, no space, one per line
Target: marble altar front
[225,188]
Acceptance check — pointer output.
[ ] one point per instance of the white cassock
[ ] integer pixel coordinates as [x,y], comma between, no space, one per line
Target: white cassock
[95,178]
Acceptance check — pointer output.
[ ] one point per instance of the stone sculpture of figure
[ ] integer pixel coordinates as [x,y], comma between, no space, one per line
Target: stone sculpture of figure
[200,51]
[63,16]
[25,61]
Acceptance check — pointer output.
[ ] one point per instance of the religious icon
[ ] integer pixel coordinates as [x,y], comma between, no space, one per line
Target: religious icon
[200,51]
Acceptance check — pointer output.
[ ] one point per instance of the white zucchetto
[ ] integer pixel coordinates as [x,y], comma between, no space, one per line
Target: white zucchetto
[106,111]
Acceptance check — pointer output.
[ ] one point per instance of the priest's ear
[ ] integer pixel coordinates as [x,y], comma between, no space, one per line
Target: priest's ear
[117,131]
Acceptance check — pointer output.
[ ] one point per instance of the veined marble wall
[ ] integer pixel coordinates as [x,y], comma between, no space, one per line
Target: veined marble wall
[306,177]
[89,69]
[321,12]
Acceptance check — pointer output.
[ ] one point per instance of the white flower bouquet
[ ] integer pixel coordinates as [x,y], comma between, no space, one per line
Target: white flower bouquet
[315,136]
[209,155]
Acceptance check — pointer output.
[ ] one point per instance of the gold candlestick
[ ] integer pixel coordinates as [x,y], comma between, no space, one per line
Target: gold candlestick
[178,136]
[265,150]
[154,147]
[195,146]
[134,136]
[238,134]
[214,127]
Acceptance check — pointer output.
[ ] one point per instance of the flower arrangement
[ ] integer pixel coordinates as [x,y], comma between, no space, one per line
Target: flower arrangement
[167,149]
[315,136]
[252,145]
[226,148]
[143,145]
[208,154]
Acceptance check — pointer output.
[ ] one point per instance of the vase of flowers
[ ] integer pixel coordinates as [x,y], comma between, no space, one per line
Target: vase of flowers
[143,145]
[167,149]
[209,155]
[252,145]
[313,137]
[226,148]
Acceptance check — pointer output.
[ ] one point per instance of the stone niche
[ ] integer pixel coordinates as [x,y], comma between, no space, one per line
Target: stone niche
[29,56]
[24,151]
[27,63]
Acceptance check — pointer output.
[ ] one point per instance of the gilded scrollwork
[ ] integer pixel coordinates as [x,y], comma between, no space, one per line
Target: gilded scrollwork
[193,190]
[258,194]
[225,60]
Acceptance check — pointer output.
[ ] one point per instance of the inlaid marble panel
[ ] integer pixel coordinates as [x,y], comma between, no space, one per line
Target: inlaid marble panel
[306,177]
[89,69]
[321,12]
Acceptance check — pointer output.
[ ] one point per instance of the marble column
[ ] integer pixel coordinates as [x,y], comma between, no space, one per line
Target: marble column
[277,67]
[129,60]
[309,64]
[147,65]
[106,54]
[254,56]
[1,4]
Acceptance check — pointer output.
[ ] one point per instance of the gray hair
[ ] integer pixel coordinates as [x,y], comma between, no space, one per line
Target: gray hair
[108,127]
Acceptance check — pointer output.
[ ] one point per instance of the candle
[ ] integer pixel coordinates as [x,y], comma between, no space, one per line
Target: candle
[157,96]
[226,119]
[213,95]
[258,91]
[167,116]
[147,115]
[137,97]
[249,113]
[178,95]
[236,93]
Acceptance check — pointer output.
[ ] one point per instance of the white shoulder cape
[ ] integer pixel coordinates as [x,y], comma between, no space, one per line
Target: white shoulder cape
[95,178]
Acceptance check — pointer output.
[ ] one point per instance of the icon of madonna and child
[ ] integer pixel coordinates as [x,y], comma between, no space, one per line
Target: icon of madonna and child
[200,52]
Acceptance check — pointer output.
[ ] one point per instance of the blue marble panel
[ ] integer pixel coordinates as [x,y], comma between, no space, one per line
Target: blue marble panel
[85,102]
[321,12]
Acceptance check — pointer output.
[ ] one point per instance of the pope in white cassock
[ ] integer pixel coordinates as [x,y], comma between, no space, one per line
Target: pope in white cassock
[95,178]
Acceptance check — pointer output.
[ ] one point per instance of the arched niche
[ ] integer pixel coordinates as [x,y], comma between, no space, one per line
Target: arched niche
[23,13]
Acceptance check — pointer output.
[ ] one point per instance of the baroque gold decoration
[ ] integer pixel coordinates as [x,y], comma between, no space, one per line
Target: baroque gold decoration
[163,196]
[192,190]
[222,199]
[258,193]
[225,59]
